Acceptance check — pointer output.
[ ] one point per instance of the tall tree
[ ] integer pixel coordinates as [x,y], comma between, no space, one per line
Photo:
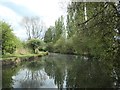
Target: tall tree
[48,35]
[94,26]
[59,27]
[70,23]
[34,27]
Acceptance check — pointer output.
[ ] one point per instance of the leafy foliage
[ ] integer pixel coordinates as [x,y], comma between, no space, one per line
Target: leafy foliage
[59,45]
[92,29]
[49,47]
[48,35]
[9,40]
[34,44]
[59,27]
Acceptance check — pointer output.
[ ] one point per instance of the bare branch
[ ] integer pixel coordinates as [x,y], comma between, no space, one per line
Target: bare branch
[34,26]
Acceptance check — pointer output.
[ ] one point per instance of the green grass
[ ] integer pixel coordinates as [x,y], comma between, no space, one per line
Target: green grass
[13,56]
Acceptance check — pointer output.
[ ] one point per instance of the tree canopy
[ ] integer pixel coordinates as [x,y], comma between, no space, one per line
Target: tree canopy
[9,40]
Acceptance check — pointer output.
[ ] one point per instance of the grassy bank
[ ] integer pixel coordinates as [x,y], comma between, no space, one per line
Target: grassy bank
[13,56]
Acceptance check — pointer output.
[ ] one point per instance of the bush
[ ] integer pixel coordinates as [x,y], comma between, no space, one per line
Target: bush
[59,46]
[69,47]
[49,47]
[34,44]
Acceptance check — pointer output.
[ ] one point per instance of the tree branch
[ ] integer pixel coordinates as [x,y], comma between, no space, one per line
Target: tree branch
[93,16]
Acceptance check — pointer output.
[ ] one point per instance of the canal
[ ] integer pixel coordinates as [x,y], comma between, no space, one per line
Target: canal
[60,71]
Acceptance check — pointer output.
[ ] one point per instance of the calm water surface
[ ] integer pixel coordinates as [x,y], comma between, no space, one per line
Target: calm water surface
[61,71]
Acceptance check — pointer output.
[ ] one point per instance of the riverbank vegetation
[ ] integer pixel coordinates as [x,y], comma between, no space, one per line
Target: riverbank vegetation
[90,32]
[91,29]
[13,47]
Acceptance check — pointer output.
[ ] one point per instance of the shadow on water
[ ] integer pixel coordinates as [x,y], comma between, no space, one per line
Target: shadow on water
[62,71]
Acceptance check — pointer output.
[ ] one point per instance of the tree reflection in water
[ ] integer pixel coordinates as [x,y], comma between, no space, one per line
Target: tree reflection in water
[80,72]
[32,79]
[33,76]
[67,71]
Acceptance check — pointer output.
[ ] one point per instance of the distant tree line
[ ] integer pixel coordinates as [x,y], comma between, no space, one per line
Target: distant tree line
[92,29]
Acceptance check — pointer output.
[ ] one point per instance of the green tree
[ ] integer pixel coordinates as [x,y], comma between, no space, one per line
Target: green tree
[94,27]
[48,35]
[70,21]
[8,38]
[59,27]
[34,44]
[59,46]
[55,36]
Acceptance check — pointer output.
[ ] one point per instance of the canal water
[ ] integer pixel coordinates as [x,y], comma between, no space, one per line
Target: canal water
[60,71]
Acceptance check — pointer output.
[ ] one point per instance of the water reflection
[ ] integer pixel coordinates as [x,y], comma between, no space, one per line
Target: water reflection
[28,79]
[60,71]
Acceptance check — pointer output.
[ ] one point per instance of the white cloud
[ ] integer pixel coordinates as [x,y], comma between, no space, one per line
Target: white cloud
[9,15]
[13,19]
[48,10]
[21,33]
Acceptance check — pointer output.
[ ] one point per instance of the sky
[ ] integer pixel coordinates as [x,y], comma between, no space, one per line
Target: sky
[12,11]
